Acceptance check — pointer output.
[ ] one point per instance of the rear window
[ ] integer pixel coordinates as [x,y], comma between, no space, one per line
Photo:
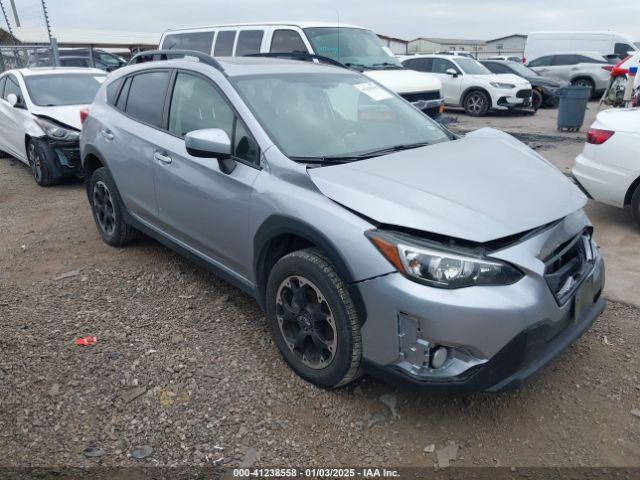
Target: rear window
[198,41]
[224,44]
[146,97]
[249,42]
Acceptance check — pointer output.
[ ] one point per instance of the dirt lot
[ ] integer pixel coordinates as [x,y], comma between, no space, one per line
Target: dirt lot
[185,372]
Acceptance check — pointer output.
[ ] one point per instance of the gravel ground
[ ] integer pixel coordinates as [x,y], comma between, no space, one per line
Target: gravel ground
[184,371]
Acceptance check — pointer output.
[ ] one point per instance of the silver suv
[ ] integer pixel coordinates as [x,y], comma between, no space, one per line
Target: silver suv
[374,239]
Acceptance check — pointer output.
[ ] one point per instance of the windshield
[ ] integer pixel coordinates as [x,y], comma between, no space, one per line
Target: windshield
[334,115]
[353,47]
[67,89]
[522,70]
[471,66]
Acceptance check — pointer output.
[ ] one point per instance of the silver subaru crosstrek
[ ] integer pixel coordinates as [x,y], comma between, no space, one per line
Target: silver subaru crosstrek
[374,239]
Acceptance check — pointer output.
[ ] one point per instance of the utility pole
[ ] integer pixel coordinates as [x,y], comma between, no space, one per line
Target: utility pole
[46,19]
[15,13]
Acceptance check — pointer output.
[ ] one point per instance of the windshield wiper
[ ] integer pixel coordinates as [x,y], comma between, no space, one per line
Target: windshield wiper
[340,159]
[358,66]
[387,65]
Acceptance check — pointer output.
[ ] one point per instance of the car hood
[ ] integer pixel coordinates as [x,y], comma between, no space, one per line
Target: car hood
[620,119]
[502,78]
[405,81]
[67,114]
[483,187]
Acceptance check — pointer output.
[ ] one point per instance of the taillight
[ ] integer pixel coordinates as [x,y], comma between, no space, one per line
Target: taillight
[608,68]
[598,137]
[524,61]
[84,113]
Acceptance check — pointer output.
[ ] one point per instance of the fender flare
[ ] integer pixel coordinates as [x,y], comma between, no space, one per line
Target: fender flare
[476,87]
[278,225]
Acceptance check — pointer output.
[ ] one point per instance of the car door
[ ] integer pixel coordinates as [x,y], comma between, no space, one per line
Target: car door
[132,138]
[451,84]
[563,66]
[203,207]
[542,65]
[14,118]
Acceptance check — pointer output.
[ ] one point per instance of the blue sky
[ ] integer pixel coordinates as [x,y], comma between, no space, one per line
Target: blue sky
[481,19]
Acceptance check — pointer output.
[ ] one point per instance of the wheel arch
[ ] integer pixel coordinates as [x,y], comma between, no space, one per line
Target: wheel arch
[632,188]
[280,235]
[474,88]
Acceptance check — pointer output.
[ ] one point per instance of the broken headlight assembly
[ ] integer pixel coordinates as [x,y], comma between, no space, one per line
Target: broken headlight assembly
[439,266]
[56,131]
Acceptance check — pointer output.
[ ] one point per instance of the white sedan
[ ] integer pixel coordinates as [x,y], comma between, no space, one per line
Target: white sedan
[40,117]
[608,169]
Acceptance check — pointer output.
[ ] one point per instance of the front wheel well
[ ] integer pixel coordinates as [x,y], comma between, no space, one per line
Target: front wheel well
[274,250]
[631,191]
[470,90]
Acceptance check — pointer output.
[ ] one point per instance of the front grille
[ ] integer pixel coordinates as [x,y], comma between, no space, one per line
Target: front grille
[414,97]
[568,265]
[524,93]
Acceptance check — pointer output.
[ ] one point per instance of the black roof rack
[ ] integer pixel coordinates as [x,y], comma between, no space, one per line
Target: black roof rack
[300,56]
[154,55]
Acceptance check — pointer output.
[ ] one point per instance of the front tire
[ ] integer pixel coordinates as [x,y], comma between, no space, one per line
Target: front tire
[108,211]
[635,205]
[313,319]
[476,103]
[40,164]
[537,100]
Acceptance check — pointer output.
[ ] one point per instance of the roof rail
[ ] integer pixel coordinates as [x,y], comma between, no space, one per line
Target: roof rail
[154,55]
[300,56]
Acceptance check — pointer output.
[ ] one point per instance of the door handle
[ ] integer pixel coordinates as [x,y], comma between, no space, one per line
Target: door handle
[162,157]
[107,134]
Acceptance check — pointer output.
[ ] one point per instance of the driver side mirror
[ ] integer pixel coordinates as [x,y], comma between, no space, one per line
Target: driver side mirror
[451,71]
[211,143]
[14,100]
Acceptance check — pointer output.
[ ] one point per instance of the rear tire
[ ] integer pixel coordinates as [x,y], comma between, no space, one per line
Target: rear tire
[635,205]
[108,211]
[313,319]
[585,82]
[476,103]
[40,164]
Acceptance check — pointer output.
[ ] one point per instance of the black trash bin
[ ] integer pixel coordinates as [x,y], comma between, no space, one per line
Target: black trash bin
[572,107]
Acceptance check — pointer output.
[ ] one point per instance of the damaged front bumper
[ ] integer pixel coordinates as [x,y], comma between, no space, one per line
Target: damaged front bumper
[495,337]
[63,156]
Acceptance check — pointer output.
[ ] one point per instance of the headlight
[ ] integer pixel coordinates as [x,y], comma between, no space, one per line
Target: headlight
[439,267]
[57,132]
[507,86]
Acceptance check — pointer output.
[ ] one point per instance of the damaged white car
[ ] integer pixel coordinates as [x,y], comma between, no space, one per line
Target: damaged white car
[40,118]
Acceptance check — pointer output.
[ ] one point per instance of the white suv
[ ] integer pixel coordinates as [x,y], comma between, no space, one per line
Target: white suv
[469,84]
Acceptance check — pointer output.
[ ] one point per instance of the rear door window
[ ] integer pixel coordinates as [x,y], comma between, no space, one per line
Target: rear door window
[560,60]
[224,43]
[249,42]
[287,41]
[584,59]
[198,41]
[146,97]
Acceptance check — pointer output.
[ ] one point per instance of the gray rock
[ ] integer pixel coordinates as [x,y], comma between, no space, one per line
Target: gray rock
[177,338]
[142,451]
[429,448]
[72,273]
[133,393]
[250,457]
[54,390]
[93,452]
[447,454]
[376,418]
[636,412]
[391,402]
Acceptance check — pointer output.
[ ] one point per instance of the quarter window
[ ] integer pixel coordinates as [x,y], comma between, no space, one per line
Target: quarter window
[622,49]
[122,98]
[287,41]
[198,41]
[244,146]
[3,80]
[146,97]
[224,43]
[249,42]
[112,91]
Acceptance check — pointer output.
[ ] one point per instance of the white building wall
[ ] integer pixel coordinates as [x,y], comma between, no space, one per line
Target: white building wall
[509,44]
